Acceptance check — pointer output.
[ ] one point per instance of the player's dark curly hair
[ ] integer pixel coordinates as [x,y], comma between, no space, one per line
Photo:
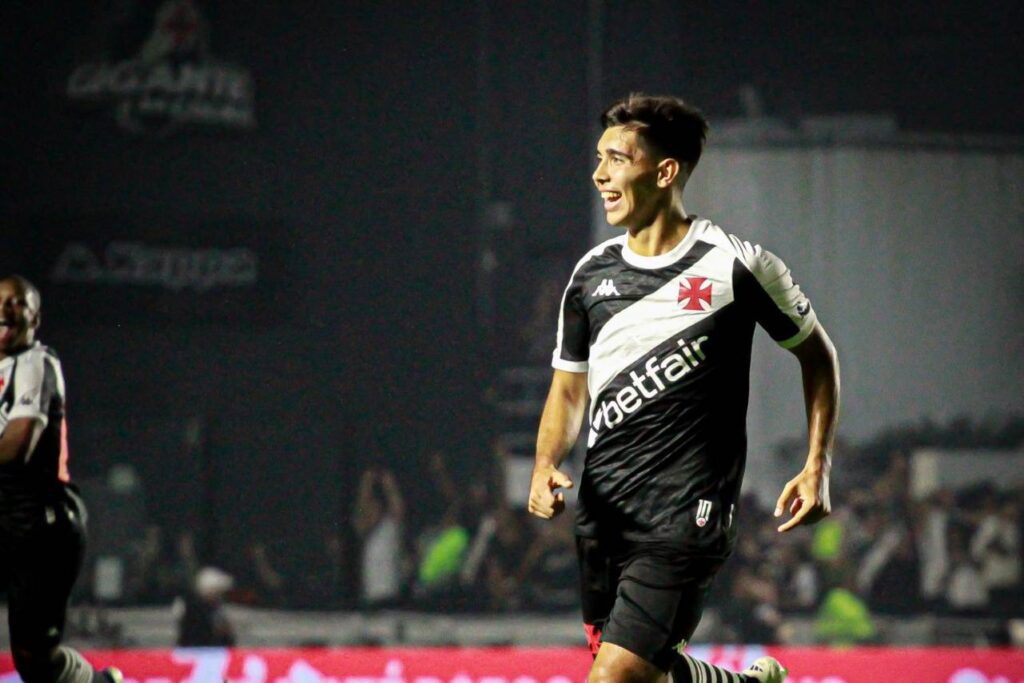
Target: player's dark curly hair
[668,126]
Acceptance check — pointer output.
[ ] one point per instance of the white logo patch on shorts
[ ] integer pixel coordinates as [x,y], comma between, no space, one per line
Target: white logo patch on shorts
[703,512]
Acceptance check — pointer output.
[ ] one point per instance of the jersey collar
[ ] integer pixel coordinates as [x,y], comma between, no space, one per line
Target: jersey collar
[669,257]
[9,360]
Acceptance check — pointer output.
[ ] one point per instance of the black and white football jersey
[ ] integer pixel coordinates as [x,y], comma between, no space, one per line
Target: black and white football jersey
[666,343]
[32,386]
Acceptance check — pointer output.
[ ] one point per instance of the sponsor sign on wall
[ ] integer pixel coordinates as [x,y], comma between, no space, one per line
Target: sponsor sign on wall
[536,665]
[158,72]
[110,269]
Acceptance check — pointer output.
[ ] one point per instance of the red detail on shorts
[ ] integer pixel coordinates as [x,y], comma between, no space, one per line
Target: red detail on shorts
[593,637]
[62,471]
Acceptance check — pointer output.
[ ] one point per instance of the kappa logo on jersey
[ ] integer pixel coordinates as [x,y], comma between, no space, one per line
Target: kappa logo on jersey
[606,288]
[703,512]
[659,373]
[26,400]
[694,292]
[803,308]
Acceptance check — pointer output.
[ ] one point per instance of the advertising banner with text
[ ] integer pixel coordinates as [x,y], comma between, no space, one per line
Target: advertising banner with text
[536,665]
[110,269]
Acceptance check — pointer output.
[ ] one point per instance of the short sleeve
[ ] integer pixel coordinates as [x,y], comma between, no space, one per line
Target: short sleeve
[34,385]
[765,285]
[572,345]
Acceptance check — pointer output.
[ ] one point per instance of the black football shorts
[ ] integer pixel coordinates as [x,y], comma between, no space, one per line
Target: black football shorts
[646,597]
[41,569]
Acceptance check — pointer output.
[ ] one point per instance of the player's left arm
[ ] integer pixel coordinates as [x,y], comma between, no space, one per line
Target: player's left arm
[19,439]
[806,495]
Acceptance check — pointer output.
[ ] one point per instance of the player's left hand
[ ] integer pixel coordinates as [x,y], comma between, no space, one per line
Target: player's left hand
[806,498]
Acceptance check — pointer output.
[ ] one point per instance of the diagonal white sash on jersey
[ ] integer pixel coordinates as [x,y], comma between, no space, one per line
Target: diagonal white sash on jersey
[631,334]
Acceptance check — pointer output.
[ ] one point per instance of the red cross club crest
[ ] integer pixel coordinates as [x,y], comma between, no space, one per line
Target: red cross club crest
[693,291]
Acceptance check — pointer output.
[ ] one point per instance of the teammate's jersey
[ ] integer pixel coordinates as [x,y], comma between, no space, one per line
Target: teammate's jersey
[32,386]
[666,343]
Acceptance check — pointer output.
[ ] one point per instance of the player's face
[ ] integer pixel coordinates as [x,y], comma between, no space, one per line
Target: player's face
[18,317]
[626,176]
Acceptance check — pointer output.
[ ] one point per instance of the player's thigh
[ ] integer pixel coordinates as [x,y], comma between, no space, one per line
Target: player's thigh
[660,601]
[42,571]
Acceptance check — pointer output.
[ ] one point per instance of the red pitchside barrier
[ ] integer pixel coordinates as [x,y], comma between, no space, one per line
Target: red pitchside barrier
[535,665]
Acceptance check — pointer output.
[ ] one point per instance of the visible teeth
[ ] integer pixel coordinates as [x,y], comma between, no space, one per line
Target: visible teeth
[610,195]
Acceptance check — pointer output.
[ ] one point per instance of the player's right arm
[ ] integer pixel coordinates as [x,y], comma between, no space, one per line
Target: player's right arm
[36,383]
[19,439]
[559,427]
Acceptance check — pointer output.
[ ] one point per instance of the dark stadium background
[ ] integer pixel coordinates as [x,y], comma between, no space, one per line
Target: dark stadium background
[384,130]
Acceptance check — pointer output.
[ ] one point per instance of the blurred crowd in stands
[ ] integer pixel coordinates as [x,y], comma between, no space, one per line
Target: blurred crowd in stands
[466,550]
[465,545]
[881,553]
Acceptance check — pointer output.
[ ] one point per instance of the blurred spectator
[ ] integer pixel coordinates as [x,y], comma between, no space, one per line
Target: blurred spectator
[378,523]
[836,542]
[486,500]
[260,580]
[751,607]
[887,575]
[151,578]
[800,583]
[932,532]
[202,621]
[483,529]
[996,547]
[966,592]
[442,546]
[843,619]
[548,572]
[856,537]
[442,551]
[502,583]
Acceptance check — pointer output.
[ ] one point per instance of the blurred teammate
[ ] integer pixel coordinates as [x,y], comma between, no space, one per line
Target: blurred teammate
[42,519]
[655,329]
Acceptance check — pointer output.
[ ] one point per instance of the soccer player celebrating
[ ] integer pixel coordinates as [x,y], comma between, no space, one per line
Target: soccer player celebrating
[42,519]
[655,329]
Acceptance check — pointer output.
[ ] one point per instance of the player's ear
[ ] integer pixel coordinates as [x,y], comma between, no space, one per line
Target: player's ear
[668,172]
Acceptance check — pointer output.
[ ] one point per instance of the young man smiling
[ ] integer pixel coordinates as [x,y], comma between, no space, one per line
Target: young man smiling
[655,331]
[42,519]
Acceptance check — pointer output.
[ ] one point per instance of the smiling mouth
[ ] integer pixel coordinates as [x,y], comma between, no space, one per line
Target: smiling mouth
[610,198]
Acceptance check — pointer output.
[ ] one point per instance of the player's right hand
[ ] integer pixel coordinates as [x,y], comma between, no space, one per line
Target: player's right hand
[545,501]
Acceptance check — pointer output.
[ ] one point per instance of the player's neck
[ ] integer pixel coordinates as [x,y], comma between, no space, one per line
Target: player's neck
[15,350]
[662,234]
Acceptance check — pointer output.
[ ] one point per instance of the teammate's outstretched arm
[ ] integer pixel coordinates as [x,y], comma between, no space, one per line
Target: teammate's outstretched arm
[806,495]
[559,426]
